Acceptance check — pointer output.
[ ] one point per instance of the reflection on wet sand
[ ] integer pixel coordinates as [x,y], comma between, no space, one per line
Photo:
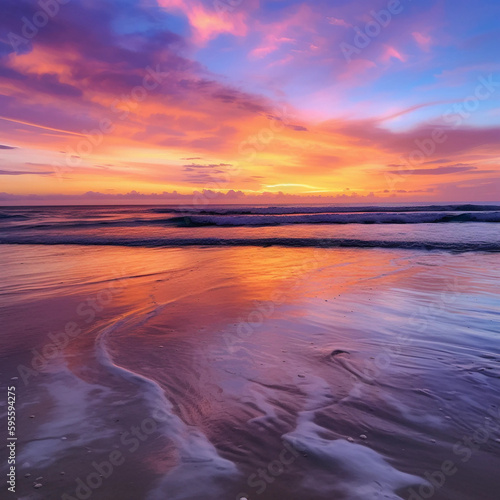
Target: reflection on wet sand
[280,373]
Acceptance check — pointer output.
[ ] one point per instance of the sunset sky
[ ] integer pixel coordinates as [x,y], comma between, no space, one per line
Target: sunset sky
[390,100]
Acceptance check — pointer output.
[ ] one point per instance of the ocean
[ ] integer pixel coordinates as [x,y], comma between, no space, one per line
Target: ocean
[229,352]
[461,227]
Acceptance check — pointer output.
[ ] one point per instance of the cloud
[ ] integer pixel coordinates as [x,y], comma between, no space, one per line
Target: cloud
[452,169]
[90,60]
[2,146]
[85,64]
[439,160]
[297,128]
[270,44]
[190,199]
[422,40]
[23,172]
[391,52]
[49,83]
[338,22]
[206,174]
[482,189]
[210,166]
[206,22]
[457,139]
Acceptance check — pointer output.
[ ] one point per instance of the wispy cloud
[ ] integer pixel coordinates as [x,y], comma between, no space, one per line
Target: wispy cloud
[24,172]
[338,22]
[452,169]
[226,80]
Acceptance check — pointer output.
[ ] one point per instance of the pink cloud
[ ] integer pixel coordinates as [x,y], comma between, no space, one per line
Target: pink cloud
[281,62]
[356,69]
[299,25]
[423,41]
[338,22]
[208,23]
[271,44]
[391,52]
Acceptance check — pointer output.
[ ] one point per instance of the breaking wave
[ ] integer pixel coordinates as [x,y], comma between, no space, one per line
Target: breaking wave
[257,242]
[337,218]
[277,210]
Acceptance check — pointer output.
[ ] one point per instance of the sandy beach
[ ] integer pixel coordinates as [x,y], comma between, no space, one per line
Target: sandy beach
[214,373]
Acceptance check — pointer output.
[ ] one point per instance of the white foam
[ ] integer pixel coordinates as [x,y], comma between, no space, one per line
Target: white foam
[200,467]
[68,415]
[341,467]
[306,209]
[344,218]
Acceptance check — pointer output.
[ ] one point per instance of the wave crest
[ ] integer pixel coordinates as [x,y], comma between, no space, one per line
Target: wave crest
[338,218]
[257,242]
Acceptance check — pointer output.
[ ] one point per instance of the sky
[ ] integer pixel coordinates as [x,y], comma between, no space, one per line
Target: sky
[249,100]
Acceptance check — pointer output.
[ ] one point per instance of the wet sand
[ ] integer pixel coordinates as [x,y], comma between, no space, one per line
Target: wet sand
[221,373]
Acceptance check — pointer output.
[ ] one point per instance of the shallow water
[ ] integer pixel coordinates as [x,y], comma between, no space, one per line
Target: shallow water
[445,227]
[314,372]
[264,373]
